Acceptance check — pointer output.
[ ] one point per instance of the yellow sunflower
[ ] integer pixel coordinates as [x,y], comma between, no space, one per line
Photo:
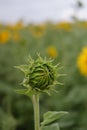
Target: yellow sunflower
[4,36]
[82,61]
[52,51]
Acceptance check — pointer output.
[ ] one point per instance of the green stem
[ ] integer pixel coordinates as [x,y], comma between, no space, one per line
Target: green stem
[36,111]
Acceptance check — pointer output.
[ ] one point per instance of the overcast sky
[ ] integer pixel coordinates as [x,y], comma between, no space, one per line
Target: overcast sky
[38,10]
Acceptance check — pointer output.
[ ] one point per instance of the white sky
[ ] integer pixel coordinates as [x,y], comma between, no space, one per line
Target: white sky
[38,10]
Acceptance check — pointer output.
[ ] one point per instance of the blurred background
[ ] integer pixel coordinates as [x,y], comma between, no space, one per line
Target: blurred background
[56,29]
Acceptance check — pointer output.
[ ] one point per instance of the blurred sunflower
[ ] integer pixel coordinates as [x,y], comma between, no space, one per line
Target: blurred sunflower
[64,26]
[4,36]
[83,24]
[82,61]
[38,31]
[18,25]
[52,51]
[16,37]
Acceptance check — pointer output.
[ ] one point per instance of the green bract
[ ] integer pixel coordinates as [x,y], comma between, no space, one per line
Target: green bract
[40,74]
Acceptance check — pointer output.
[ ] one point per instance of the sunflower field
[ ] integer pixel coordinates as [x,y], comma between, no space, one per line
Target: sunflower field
[64,42]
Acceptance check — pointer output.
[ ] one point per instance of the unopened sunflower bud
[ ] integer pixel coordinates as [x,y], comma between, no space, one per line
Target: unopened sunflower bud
[40,74]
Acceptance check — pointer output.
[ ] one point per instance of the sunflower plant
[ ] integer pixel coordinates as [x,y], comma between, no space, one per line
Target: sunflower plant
[40,76]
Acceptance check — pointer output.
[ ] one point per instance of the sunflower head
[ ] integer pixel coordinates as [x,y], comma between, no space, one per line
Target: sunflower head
[40,75]
[82,61]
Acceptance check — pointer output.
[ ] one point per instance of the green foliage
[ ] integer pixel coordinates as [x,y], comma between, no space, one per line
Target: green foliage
[52,116]
[51,127]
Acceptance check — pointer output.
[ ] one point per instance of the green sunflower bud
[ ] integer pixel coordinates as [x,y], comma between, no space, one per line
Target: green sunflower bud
[40,74]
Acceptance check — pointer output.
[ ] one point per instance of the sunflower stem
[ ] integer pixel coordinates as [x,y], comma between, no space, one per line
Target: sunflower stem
[35,100]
